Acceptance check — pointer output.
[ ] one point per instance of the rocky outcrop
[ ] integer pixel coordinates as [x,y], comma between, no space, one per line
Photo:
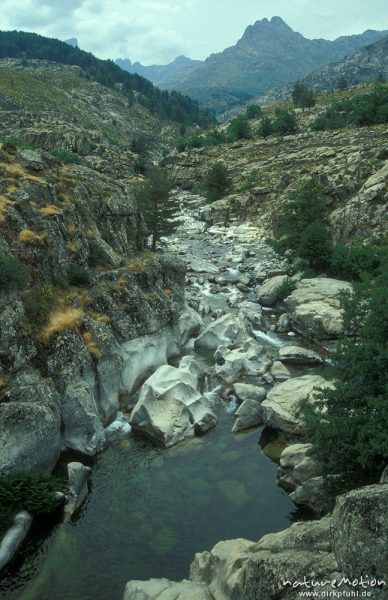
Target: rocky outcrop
[351,542]
[282,407]
[162,589]
[314,307]
[170,407]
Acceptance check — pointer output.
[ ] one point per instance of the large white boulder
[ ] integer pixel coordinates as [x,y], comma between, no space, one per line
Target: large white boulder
[314,307]
[236,363]
[282,407]
[170,407]
[296,355]
[223,331]
[247,415]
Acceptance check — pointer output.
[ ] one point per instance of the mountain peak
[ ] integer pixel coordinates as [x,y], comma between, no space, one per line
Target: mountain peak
[72,42]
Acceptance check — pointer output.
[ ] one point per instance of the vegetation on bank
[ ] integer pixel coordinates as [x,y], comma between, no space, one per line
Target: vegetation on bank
[348,426]
[168,105]
[26,490]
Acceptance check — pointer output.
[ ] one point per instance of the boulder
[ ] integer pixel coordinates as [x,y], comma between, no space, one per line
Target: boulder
[314,307]
[296,466]
[246,391]
[79,476]
[247,415]
[202,266]
[360,532]
[30,423]
[14,537]
[280,372]
[252,313]
[188,326]
[162,589]
[233,364]
[34,160]
[281,409]
[284,323]
[225,330]
[296,355]
[170,407]
[267,293]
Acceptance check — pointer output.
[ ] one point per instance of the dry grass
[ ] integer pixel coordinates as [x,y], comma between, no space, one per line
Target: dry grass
[167,292]
[62,319]
[50,209]
[4,381]
[90,233]
[100,317]
[73,247]
[26,236]
[73,229]
[91,345]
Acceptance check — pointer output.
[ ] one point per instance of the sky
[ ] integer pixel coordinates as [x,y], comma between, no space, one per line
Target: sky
[156,31]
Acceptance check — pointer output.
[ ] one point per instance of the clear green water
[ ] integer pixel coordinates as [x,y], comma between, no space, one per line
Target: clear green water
[148,512]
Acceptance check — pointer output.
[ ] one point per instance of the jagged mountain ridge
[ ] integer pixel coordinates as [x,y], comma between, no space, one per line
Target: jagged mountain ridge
[268,54]
[164,76]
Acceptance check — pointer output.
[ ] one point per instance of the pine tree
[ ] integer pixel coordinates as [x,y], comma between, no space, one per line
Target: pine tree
[266,127]
[302,96]
[217,182]
[160,209]
[239,129]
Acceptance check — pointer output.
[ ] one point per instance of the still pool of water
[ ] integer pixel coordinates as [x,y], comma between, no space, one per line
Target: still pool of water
[148,512]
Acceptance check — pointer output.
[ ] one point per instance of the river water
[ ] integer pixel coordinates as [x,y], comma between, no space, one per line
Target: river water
[150,510]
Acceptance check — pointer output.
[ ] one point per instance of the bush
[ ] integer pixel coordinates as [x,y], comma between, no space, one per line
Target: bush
[78,276]
[302,96]
[217,182]
[239,129]
[266,127]
[353,262]
[253,111]
[30,490]
[315,245]
[67,157]
[348,427]
[13,274]
[38,303]
[286,288]
[285,122]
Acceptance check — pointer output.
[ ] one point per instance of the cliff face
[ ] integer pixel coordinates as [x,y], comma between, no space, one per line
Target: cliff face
[69,332]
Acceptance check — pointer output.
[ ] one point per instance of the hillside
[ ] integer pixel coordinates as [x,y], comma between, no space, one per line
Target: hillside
[268,54]
[173,106]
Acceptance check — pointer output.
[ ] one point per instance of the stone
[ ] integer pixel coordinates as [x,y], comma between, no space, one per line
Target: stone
[162,589]
[314,307]
[170,407]
[267,292]
[237,363]
[225,330]
[296,466]
[34,160]
[78,475]
[284,323]
[30,423]
[247,415]
[280,372]
[252,313]
[202,266]
[296,355]
[246,391]
[360,532]
[14,537]
[281,409]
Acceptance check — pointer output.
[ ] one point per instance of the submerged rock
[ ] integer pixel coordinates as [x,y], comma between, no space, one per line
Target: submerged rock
[171,407]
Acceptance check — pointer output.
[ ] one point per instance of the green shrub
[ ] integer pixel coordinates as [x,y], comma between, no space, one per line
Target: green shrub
[353,262]
[266,127]
[38,303]
[286,288]
[315,245]
[285,122]
[78,276]
[302,96]
[29,490]
[13,274]
[239,129]
[217,183]
[67,157]
[348,427]
[253,111]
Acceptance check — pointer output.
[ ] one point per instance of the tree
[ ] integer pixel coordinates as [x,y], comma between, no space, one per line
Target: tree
[342,84]
[239,129]
[285,122]
[159,208]
[306,205]
[266,127]
[316,245]
[217,183]
[302,96]
[253,111]
[348,427]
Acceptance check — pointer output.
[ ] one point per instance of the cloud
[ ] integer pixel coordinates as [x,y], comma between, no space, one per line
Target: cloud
[159,30]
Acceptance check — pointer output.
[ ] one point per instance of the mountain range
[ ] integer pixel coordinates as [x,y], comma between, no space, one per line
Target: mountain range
[269,54]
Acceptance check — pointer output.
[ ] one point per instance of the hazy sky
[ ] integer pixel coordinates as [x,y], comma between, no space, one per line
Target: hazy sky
[159,30]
